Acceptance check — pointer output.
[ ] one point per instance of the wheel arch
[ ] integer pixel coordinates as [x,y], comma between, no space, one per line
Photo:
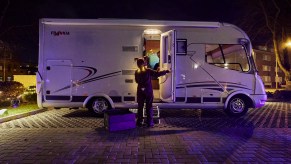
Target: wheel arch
[246,96]
[98,95]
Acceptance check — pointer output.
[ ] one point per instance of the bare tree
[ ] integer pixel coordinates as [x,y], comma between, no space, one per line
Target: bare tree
[275,22]
[267,22]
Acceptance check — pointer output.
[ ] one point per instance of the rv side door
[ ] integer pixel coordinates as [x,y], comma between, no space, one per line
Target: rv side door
[168,62]
[57,83]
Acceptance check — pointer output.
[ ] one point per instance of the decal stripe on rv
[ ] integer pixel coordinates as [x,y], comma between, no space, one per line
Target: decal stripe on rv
[105,76]
[228,86]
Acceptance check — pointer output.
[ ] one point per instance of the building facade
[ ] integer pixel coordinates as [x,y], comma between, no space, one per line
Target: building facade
[265,60]
[10,67]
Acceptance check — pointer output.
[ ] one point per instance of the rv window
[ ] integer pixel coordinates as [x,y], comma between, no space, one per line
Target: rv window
[227,56]
[165,50]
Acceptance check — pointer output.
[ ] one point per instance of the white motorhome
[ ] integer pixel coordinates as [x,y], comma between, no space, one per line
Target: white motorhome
[91,63]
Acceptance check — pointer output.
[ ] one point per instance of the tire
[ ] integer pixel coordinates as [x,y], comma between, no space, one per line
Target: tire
[98,105]
[237,107]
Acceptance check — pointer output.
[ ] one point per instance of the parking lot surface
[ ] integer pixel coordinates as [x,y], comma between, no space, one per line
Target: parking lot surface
[179,136]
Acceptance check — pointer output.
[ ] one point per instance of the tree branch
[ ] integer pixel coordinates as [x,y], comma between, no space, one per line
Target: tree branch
[12,27]
[277,14]
[4,12]
[274,36]
[289,3]
[266,17]
[258,31]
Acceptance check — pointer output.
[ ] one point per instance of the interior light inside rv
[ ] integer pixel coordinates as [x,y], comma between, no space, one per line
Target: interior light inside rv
[152,31]
[226,66]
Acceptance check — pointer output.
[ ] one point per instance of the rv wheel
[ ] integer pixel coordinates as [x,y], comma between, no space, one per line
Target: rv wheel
[237,107]
[98,105]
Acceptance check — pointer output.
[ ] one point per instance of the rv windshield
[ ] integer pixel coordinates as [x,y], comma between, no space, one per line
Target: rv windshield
[228,56]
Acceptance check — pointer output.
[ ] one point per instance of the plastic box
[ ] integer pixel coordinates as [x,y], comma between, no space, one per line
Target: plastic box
[116,120]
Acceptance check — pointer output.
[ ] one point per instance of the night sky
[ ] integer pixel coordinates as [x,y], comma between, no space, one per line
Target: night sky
[20,24]
[28,11]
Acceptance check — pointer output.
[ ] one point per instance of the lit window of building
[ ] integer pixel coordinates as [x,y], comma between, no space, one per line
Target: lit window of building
[280,79]
[265,60]
[266,79]
[9,78]
[266,68]
[267,57]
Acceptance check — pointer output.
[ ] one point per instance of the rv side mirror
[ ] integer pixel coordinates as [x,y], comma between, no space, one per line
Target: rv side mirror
[243,41]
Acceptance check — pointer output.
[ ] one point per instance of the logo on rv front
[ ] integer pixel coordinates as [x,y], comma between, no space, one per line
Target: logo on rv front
[59,33]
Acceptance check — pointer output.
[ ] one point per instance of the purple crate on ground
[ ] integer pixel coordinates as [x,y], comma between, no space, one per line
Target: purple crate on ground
[115,120]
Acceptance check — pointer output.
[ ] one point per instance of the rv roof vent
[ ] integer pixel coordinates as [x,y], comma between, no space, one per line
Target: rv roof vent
[130,48]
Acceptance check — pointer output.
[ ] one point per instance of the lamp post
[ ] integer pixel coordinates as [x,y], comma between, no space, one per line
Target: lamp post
[2,47]
[4,51]
[4,62]
[286,46]
[276,78]
[4,66]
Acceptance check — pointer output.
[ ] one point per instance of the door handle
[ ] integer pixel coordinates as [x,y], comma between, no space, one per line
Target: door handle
[166,78]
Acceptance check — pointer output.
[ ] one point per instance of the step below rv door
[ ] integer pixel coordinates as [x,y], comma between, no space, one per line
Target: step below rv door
[168,62]
[58,80]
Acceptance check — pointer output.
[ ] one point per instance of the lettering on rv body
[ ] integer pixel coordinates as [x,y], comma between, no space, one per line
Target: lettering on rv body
[59,33]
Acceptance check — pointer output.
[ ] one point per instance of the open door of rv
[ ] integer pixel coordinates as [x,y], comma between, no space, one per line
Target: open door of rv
[58,80]
[168,62]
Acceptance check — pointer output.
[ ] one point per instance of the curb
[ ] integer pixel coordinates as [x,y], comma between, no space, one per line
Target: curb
[278,100]
[9,118]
